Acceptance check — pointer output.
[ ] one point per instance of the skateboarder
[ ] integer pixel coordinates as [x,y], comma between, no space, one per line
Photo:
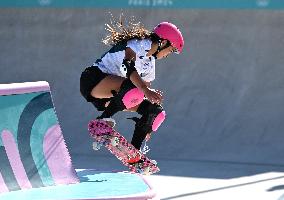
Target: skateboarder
[121,79]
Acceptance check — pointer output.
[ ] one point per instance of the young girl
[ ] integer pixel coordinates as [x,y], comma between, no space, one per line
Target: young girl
[121,79]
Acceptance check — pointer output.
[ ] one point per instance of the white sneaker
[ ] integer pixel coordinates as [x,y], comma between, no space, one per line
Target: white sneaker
[96,146]
[145,149]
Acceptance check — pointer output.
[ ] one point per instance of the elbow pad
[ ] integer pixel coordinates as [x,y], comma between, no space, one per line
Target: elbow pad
[127,67]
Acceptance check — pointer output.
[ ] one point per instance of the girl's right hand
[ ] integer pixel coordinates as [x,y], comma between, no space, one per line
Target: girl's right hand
[154,96]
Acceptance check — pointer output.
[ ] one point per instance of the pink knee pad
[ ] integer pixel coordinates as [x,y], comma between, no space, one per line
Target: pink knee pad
[158,120]
[133,98]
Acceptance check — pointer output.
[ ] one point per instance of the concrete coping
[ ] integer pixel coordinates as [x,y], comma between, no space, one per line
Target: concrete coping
[22,88]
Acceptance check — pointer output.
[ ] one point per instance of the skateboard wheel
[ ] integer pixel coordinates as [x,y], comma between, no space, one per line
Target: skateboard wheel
[96,146]
[154,162]
[114,141]
[146,171]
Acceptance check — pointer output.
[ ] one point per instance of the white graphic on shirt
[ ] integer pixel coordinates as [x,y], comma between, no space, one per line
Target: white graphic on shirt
[111,62]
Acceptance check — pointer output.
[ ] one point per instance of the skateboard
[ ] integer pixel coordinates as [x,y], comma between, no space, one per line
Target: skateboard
[135,160]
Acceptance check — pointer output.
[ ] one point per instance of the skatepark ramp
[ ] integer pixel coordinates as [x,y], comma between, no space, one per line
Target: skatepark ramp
[34,160]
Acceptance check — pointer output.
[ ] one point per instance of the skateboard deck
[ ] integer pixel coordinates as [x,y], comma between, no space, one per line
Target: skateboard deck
[135,160]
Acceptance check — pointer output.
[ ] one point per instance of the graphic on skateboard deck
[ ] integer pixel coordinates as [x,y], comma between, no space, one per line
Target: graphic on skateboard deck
[135,160]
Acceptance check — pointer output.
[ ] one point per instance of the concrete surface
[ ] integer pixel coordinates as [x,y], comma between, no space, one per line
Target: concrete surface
[204,180]
[262,187]
[94,185]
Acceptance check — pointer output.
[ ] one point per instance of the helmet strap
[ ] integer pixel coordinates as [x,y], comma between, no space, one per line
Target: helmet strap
[160,48]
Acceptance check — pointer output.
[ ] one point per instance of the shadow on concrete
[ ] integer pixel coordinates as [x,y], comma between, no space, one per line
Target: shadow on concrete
[224,188]
[275,188]
[84,177]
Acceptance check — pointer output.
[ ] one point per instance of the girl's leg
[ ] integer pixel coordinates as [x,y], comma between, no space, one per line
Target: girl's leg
[105,87]
[152,117]
[152,114]
[123,94]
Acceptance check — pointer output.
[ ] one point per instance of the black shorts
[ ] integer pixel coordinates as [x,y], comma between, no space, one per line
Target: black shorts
[90,77]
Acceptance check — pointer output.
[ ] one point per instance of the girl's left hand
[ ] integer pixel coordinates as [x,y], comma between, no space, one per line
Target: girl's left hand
[154,96]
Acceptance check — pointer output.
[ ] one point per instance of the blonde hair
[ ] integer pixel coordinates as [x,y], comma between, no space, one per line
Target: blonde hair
[123,30]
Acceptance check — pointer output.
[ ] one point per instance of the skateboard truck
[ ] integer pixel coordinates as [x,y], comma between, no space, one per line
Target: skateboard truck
[135,159]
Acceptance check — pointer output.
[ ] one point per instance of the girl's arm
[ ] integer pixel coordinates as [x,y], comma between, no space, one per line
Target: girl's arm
[134,77]
[152,95]
[148,84]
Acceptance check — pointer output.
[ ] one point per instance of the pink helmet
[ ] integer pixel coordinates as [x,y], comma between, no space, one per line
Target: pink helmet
[169,31]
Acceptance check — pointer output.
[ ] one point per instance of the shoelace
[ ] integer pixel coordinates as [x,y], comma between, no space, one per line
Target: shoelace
[145,149]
